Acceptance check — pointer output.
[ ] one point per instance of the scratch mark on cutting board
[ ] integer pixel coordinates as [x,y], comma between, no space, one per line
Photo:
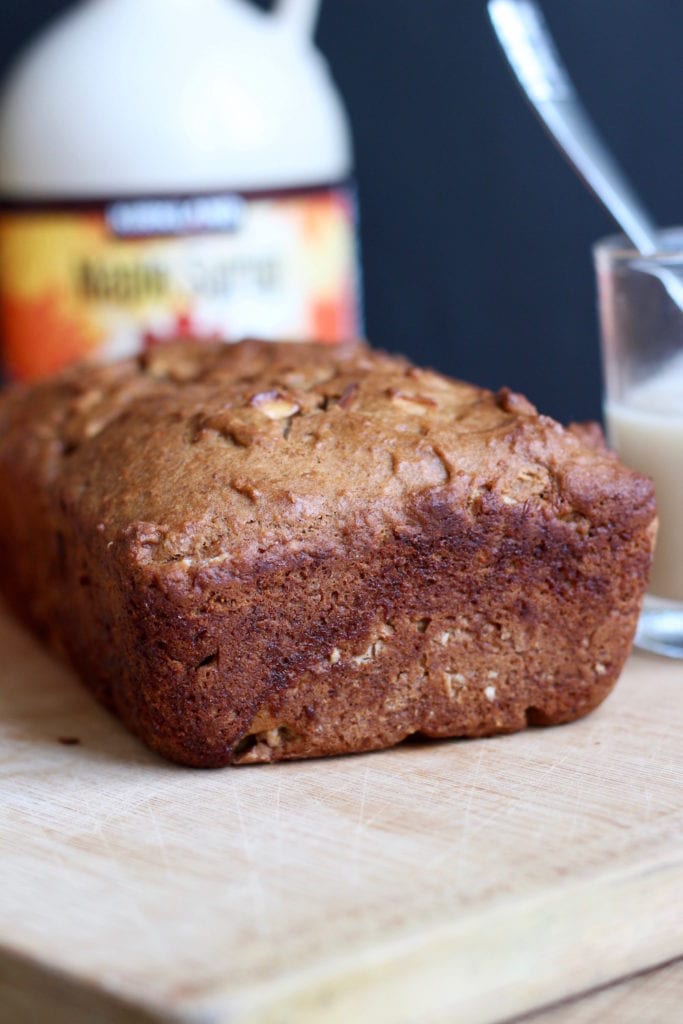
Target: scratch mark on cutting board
[160,841]
[129,895]
[518,792]
[253,880]
[358,831]
[244,839]
[467,816]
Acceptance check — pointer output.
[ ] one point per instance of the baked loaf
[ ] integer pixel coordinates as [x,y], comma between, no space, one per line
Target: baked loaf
[261,552]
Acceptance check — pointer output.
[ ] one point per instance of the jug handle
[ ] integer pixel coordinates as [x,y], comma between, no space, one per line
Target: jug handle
[300,17]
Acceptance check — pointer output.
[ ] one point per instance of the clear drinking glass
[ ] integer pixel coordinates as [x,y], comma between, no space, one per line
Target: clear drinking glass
[641,316]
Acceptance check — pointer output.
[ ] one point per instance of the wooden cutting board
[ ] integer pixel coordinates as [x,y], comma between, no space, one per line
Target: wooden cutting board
[459,882]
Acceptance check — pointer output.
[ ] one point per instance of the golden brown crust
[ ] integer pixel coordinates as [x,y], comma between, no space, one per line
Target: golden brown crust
[270,551]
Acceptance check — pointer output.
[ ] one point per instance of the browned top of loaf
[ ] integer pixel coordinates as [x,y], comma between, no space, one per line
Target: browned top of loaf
[229,454]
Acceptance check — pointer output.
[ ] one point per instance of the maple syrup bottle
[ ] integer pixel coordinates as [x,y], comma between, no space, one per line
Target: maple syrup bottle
[173,168]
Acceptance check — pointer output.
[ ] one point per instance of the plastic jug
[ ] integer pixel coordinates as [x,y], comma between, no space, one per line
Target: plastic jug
[173,168]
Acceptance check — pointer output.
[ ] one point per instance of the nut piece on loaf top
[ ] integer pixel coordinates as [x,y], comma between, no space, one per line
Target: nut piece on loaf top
[269,551]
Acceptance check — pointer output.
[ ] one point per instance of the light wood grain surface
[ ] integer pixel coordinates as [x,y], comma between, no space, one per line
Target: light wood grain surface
[652,998]
[451,882]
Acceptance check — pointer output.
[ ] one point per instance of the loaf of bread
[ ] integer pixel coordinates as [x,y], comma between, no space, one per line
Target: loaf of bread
[259,552]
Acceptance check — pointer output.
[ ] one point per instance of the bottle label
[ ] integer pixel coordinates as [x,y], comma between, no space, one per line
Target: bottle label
[110,279]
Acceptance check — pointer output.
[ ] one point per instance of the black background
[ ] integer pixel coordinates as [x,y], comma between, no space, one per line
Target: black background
[476,235]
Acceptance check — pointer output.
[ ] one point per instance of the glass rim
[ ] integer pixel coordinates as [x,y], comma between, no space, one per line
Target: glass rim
[618,249]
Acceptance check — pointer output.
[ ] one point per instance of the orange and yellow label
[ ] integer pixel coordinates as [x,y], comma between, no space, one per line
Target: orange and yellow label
[110,279]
